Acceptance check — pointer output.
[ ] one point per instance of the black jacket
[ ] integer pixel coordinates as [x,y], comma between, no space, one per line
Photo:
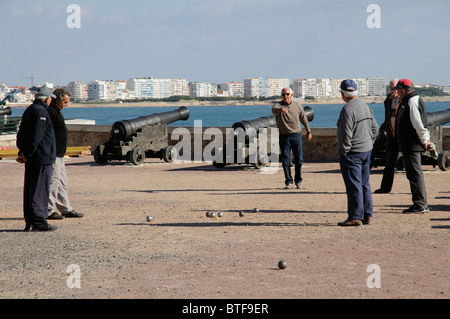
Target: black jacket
[387,117]
[407,137]
[60,128]
[35,138]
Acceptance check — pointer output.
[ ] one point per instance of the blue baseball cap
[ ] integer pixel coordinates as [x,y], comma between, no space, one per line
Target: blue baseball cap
[348,85]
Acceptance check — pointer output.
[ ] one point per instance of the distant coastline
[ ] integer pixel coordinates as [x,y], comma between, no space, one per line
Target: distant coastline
[191,103]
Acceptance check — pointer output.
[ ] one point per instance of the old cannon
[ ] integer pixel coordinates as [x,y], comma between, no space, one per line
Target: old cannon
[139,138]
[5,111]
[436,156]
[252,142]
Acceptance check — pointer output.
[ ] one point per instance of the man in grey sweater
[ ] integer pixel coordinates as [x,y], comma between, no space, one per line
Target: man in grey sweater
[288,116]
[357,129]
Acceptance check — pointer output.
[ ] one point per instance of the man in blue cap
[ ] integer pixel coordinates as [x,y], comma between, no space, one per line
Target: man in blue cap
[37,150]
[357,129]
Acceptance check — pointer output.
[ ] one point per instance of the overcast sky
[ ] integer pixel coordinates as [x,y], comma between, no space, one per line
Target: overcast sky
[219,41]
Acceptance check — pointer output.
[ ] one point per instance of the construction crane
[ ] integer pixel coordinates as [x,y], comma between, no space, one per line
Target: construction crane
[30,77]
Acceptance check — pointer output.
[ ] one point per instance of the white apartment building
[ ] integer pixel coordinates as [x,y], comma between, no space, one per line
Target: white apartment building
[121,90]
[330,88]
[274,86]
[179,87]
[233,88]
[202,89]
[305,87]
[144,88]
[102,90]
[335,85]
[445,89]
[150,88]
[376,86]
[78,90]
[256,87]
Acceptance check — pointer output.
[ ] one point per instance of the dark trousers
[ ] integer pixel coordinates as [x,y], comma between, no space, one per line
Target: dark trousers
[355,169]
[36,193]
[391,161]
[413,168]
[287,143]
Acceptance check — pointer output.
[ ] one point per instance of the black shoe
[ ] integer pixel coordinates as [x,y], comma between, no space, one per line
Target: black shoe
[367,219]
[381,191]
[55,215]
[350,222]
[43,227]
[27,227]
[73,214]
[416,210]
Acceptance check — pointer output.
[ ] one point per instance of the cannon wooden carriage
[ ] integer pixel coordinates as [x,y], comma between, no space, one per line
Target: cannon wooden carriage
[143,137]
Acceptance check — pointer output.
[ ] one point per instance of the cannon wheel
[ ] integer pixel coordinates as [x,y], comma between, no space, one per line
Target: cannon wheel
[444,160]
[168,154]
[136,155]
[98,157]
[219,165]
[259,162]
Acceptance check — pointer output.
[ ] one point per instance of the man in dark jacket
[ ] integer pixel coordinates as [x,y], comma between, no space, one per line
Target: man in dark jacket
[36,143]
[390,109]
[413,138]
[59,196]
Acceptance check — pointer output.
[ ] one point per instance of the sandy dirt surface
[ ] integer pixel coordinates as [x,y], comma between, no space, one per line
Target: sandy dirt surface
[182,254]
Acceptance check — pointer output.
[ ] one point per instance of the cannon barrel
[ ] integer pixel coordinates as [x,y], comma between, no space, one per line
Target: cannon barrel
[5,111]
[260,122]
[438,118]
[122,130]
[267,121]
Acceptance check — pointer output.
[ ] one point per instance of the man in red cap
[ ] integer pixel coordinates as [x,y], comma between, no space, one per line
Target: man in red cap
[413,138]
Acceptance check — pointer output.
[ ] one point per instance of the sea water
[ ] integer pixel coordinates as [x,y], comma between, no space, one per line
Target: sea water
[325,115]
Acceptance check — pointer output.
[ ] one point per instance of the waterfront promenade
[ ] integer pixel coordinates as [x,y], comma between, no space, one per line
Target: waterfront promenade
[183,254]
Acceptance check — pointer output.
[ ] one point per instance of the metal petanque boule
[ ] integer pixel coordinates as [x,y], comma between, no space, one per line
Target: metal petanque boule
[220,214]
[282,264]
[241,214]
[149,218]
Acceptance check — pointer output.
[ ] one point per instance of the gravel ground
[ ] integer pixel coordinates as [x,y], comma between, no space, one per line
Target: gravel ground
[182,254]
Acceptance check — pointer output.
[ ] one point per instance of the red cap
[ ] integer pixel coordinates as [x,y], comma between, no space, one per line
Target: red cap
[403,83]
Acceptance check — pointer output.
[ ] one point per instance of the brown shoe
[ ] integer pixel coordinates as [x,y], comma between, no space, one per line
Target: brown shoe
[350,222]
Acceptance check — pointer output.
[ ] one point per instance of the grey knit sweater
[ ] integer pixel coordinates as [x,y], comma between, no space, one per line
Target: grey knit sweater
[357,128]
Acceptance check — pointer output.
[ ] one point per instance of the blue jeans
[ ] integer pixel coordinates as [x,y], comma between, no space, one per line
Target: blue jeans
[294,142]
[355,169]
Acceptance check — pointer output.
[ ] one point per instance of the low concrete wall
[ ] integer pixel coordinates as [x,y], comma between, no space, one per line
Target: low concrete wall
[322,147]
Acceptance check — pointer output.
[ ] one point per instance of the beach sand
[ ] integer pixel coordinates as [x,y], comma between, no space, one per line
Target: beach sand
[182,254]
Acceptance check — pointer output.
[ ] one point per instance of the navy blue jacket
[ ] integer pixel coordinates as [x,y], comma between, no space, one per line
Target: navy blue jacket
[35,138]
